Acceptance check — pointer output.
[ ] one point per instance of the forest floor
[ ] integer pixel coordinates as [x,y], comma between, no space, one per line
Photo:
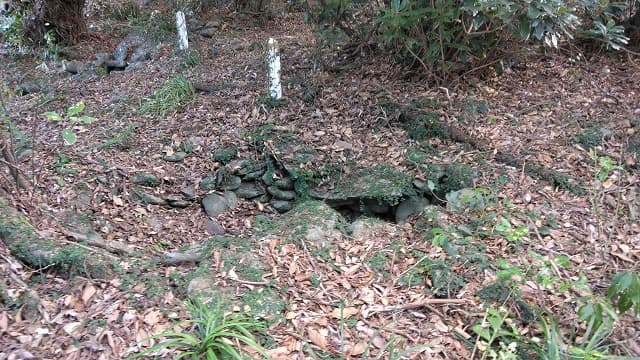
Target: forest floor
[578,118]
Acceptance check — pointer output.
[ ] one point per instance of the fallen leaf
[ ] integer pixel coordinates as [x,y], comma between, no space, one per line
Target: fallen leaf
[152,317]
[4,322]
[359,348]
[117,200]
[87,293]
[317,337]
[345,313]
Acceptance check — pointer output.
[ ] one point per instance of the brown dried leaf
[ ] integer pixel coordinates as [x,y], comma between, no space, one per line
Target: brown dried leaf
[87,293]
[318,337]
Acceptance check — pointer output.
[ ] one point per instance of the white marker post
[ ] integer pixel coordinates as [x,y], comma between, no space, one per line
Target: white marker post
[273,64]
[181,25]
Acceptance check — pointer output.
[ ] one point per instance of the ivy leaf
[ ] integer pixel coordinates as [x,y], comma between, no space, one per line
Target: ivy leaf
[68,136]
[53,116]
[76,109]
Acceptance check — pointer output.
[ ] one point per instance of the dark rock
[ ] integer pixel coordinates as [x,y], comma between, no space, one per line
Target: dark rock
[268,178]
[284,183]
[148,198]
[250,190]
[213,227]
[281,194]
[115,65]
[281,205]
[214,204]
[180,204]
[250,167]
[208,183]
[145,179]
[224,155]
[176,201]
[253,176]
[28,88]
[176,156]
[375,206]
[230,183]
[263,198]
[410,206]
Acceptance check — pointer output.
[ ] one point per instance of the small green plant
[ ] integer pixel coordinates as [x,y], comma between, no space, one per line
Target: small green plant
[73,116]
[215,334]
[268,102]
[125,11]
[12,30]
[189,58]
[170,97]
[625,288]
[497,328]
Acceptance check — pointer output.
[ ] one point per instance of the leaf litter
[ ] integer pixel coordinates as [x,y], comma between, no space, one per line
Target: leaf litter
[339,301]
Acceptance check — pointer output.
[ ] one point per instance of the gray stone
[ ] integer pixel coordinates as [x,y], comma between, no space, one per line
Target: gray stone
[284,183]
[410,206]
[208,183]
[213,23]
[281,194]
[249,190]
[146,179]
[141,53]
[120,52]
[149,198]
[188,192]
[230,183]
[421,185]
[200,285]
[213,227]
[176,156]
[214,204]
[74,66]
[207,32]
[232,199]
[100,59]
[281,205]
[465,200]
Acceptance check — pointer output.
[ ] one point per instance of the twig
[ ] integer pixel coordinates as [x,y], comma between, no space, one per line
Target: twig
[412,306]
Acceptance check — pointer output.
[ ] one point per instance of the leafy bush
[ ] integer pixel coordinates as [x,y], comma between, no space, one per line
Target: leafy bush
[446,38]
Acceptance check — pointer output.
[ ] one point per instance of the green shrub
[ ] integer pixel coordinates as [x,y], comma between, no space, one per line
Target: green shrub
[446,38]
